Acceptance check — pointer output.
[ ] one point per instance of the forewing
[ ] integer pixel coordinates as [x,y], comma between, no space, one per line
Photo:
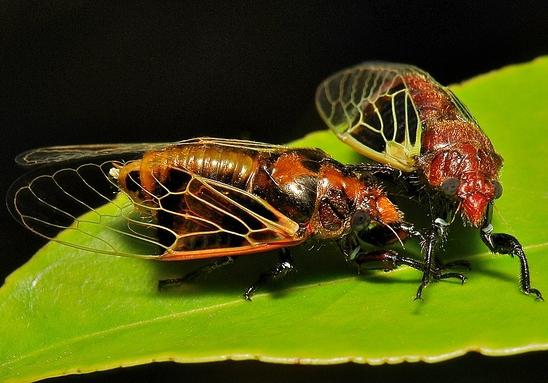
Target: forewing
[74,153]
[191,217]
[370,108]
[210,218]
[85,202]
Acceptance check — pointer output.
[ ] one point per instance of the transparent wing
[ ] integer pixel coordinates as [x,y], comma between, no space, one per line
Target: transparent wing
[212,218]
[369,106]
[69,153]
[195,218]
[72,153]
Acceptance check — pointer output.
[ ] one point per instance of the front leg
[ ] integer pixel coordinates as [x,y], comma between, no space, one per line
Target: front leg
[506,244]
[431,242]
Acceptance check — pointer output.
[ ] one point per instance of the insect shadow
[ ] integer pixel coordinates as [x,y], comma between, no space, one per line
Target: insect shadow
[312,266]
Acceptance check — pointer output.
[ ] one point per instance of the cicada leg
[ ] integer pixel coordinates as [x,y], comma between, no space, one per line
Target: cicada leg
[205,269]
[388,260]
[431,241]
[506,244]
[282,268]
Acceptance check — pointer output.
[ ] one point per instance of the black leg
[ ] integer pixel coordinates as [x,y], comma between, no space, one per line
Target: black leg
[349,246]
[432,239]
[458,264]
[205,269]
[401,183]
[506,244]
[284,266]
[385,260]
[389,260]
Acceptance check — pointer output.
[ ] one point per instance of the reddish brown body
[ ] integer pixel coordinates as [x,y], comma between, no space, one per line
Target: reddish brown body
[428,144]
[453,147]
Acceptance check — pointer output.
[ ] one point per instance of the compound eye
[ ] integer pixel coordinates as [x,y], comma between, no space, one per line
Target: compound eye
[450,186]
[498,189]
[360,220]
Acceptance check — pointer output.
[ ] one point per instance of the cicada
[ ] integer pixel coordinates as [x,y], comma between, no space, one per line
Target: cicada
[211,198]
[429,147]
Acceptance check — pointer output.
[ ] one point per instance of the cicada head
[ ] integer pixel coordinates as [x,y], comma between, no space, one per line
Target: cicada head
[468,175]
[349,203]
[474,192]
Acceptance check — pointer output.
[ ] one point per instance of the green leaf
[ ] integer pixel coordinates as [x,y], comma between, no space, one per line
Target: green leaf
[69,311]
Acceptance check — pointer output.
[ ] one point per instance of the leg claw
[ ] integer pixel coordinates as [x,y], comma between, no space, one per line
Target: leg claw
[537,293]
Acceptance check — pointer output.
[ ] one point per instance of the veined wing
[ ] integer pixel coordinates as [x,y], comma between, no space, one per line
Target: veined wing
[211,218]
[369,106]
[194,217]
[71,153]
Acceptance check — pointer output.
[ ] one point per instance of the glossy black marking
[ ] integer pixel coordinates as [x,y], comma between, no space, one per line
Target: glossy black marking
[373,139]
[176,180]
[165,237]
[385,107]
[133,182]
[312,158]
[412,120]
[399,107]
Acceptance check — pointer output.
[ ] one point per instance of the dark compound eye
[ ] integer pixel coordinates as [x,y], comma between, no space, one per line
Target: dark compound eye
[498,189]
[360,220]
[450,186]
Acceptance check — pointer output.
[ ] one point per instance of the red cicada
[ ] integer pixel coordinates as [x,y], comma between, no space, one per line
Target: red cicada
[211,198]
[430,146]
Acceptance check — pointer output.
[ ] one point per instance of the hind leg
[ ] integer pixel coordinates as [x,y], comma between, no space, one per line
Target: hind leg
[205,269]
[282,268]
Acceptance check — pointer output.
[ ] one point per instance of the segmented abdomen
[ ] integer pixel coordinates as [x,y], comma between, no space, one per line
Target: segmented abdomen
[230,165]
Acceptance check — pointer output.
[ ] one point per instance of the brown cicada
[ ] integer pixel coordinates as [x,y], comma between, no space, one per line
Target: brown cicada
[211,198]
[431,148]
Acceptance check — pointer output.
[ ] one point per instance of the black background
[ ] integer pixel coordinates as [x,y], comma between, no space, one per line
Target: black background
[76,72]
